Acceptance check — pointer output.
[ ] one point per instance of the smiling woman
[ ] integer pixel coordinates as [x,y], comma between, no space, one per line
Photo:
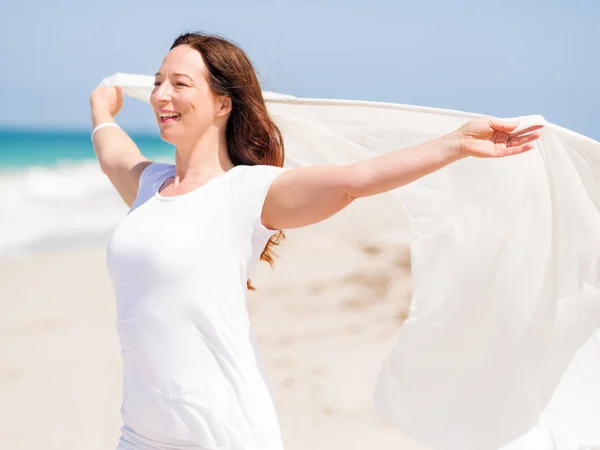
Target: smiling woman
[180,260]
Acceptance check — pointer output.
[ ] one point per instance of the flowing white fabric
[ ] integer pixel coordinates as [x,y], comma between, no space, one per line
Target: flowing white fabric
[501,349]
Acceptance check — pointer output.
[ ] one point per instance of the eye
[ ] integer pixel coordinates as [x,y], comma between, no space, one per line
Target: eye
[157,83]
[179,83]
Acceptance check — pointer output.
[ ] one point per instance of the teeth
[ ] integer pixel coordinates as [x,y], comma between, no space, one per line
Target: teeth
[165,115]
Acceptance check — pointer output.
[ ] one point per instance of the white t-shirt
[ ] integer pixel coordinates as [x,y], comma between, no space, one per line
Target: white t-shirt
[192,376]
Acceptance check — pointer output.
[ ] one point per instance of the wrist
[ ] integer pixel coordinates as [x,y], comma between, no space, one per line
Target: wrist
[103,125]
[101,115]
[452,145]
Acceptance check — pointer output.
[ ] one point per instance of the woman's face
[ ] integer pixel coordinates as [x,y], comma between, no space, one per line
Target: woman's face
[183,103]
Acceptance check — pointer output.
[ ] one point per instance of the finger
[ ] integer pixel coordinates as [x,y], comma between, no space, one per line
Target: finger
[516,150]
[523,148]
[505,126]
[516,141]
[528,130]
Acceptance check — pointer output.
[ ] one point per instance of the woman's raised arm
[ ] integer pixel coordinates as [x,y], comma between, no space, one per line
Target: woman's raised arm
[119,157]
[305,196]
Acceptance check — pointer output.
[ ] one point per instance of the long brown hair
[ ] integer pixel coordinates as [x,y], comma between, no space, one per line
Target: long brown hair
[252,137]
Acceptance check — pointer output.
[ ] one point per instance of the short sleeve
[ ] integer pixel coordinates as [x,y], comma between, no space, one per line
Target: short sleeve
[250,186]
[151,179]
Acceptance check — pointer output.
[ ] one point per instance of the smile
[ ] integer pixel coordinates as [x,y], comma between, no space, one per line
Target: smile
[167,116]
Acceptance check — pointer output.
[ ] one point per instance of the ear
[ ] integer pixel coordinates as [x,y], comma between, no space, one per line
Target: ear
[223,105]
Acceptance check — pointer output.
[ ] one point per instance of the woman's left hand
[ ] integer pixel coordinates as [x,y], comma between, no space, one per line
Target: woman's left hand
[489,137]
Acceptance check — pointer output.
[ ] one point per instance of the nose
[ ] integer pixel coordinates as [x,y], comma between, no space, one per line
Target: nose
[162,93]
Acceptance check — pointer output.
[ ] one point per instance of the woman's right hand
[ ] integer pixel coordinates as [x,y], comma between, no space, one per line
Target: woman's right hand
[107,100]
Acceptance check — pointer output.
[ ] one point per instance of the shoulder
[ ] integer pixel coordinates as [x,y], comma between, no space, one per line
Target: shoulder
[249,181]
[250,186]
[154,171]
[151,178]
[257,174]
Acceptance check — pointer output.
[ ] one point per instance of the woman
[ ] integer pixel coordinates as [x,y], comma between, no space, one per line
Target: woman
[181,259]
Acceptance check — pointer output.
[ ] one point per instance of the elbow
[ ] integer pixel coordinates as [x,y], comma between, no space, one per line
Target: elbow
[359,181]
[111,163]
[111,166]
[106,166]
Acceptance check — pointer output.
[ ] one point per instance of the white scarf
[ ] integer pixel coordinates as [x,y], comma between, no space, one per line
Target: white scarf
[501,347]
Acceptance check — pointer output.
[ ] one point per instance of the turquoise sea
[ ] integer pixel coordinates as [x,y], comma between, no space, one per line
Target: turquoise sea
[21,148]
[52,192]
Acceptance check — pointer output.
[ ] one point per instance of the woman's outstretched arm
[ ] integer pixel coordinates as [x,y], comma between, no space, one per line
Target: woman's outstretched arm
[119,157]
[305,196]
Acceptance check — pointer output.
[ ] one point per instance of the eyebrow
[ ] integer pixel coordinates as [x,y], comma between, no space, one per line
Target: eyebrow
[158,74]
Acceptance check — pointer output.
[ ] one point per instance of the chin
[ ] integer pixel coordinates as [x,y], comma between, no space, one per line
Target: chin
[170,136]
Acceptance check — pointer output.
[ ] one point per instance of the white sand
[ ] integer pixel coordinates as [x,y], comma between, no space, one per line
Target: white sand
[325,316]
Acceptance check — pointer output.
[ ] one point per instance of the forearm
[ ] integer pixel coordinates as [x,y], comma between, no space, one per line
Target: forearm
[392,170]
[113,146]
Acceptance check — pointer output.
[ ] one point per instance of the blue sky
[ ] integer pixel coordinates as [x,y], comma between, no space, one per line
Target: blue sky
[504,58]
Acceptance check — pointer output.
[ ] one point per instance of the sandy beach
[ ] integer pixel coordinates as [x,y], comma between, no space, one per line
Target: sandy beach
[326,316]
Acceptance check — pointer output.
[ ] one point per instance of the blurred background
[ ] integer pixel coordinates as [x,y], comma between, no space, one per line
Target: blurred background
[328,313]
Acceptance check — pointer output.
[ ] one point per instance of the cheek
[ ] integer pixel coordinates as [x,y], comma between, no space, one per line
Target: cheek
[201,107]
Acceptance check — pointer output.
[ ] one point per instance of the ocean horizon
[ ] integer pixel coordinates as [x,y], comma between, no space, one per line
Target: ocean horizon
[52,191]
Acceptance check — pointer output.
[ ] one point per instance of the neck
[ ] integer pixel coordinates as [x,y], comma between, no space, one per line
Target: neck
[205,159]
